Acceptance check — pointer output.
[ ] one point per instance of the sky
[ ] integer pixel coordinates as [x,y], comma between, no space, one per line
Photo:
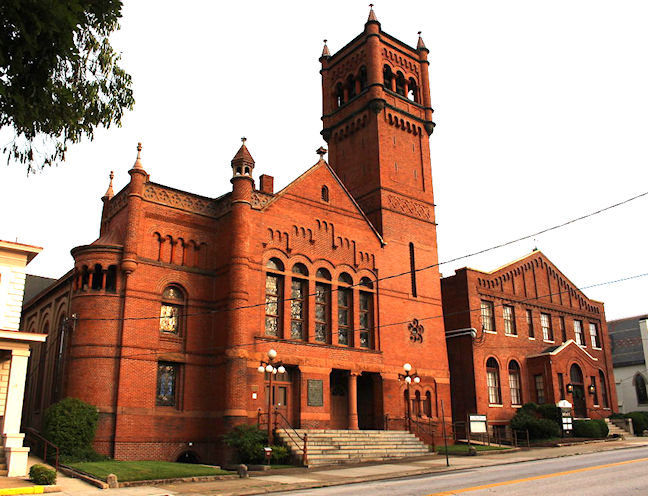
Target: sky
[540,110]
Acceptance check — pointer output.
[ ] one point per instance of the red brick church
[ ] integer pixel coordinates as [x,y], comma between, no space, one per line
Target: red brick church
[164,320]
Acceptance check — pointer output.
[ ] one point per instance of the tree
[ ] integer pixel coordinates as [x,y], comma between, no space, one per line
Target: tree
[59,77]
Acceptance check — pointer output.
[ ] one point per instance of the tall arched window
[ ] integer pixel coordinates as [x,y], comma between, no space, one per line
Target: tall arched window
[363,78]
[351,86]
[603,387]
[298,302]
[493,382]
[428,404]
[274,293]
[365,317]
[417,404]
[325,194]
[400,84]
[323,306]
[412,93]
[388,76]
[171,310]
[345,308]
[515,383]
[339,95]
[640,389]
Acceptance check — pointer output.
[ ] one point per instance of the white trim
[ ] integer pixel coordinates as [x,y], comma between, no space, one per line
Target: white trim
[22,336]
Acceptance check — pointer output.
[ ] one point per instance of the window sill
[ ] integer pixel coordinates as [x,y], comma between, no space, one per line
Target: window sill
[516,406]
[495,405]
[511,335]
[489,332]
[549,341]
[597,348]
[532,339]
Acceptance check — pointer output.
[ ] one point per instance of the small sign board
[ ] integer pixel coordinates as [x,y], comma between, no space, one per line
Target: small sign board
[478,424]
[315,395]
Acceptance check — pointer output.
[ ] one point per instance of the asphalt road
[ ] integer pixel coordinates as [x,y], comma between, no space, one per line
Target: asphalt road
[619,473]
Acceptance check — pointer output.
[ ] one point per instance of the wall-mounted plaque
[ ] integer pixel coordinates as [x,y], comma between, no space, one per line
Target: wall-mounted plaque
[315,392]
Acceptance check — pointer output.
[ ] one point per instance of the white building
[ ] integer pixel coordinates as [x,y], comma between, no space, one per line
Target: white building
[14,352]
[629,339]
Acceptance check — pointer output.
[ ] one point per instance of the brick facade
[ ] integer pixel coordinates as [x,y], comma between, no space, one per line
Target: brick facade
[539,352]
[173,290]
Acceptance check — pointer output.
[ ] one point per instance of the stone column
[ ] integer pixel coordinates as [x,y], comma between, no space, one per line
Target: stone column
[12,438]
[353,401]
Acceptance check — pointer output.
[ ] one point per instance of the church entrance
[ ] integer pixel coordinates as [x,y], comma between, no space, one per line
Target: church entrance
[339,387]
[370,414]
[285,398]
[578,391]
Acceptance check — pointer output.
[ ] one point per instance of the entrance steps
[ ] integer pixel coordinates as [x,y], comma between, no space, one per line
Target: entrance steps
[3,463]
[619,427]
[334,447]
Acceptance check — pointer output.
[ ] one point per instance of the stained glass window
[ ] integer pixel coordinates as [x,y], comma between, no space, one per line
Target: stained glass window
[322,311]
[364,319]
[344,315]
[273,290]
[171,310]
[167,374]
[298,308]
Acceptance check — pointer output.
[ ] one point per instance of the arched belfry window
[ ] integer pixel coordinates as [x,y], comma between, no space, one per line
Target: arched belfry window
[351,86]
[412,91]
[325,194]
[400,84]
[339,95]
[362,76]
[173,301]
[493,382]
[388,76]
[274,295]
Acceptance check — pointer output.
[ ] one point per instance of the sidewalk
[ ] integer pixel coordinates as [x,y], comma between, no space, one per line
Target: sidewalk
[303,478]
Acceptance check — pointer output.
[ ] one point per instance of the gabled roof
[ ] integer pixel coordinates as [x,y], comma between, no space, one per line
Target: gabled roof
[555,350]
[322,164]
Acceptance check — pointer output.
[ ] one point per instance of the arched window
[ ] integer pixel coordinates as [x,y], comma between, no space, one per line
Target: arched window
[363,78]
[322,306]
[412,93]
[351,86]
[412,269]
[428,404]
[111,278]
[400,84]
[345,309]
[493,382]
[325,194]
[603,387]
[339,95]
[298,303]
[640,389]
[365,316]
[97,277]
[388,76]
[417,404]
[85,278]
[274,293]
[171,310]
[514,383]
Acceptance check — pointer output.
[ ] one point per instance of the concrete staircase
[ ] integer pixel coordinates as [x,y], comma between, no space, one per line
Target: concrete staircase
[334,447]
[619,427]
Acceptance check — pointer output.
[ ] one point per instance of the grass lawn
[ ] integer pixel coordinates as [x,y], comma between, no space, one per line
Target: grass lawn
[463,448]
[144,470]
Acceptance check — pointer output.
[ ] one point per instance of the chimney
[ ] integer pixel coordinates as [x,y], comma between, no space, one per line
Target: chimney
[267,184]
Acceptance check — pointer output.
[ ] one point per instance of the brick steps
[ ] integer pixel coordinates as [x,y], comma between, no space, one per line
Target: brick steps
[334,447]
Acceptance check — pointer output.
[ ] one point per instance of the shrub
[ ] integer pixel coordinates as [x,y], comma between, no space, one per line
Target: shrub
[603,427]
[279,455]
[248,441]
[70,424]
[40,474]
[550,412]
[588,428]
[539,428]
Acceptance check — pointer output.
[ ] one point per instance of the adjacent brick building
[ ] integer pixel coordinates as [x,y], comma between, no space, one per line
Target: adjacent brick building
[536,338]
[164,319]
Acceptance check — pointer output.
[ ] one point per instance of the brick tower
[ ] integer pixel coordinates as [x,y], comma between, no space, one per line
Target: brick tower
[377,121]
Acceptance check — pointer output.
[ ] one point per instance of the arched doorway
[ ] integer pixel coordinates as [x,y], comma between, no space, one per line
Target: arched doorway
[578,391]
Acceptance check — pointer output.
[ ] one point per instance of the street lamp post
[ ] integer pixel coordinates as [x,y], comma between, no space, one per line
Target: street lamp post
[409,377]
[271,367]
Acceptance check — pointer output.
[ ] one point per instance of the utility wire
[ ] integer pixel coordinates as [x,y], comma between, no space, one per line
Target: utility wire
[420,269]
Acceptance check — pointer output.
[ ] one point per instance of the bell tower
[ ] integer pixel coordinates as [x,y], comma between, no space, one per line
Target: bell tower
[377,120]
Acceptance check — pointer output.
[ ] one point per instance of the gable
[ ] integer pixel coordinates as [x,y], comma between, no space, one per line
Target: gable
[535,276]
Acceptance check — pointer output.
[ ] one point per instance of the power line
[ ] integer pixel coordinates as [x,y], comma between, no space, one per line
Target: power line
[420,269]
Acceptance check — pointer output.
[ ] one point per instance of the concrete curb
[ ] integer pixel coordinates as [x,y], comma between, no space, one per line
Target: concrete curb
[29,490]
[84,477]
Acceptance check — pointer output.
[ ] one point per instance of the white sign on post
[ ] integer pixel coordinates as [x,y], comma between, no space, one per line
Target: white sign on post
[477,423]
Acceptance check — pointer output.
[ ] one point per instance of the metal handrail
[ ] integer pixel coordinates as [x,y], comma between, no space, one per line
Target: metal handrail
[421,427]
[31,432]
[302,438]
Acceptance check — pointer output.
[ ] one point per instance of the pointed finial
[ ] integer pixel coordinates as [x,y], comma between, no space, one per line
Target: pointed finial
[109,192]
[372,14]
[321,151]
[138,160]
[420,45]
[325,51]
[243,139]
